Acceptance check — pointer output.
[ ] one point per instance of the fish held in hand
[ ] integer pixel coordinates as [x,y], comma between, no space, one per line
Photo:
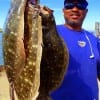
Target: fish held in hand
[54,56]
[13,45]
[29,79]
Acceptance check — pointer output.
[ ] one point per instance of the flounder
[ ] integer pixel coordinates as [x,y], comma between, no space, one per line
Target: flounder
[54,56]
[13,40]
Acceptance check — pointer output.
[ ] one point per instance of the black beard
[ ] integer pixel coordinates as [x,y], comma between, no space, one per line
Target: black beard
[73,23]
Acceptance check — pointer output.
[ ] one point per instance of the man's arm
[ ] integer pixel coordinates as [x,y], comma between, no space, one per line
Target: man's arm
[98,63]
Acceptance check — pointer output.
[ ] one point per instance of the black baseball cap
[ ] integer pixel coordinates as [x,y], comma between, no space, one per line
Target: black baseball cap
[82,2]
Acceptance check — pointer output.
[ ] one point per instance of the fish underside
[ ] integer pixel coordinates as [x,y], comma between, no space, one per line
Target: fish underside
[54,56]
[22,49]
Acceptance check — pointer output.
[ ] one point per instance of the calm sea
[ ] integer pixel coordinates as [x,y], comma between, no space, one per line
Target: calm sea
[1,53]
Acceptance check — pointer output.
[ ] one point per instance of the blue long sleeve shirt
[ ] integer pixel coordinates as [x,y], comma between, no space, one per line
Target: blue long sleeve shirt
[80,81]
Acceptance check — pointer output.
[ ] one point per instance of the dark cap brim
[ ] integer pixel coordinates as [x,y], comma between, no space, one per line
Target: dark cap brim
[83,2]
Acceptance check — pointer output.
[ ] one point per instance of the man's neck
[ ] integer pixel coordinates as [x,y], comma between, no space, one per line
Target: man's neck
[76,28]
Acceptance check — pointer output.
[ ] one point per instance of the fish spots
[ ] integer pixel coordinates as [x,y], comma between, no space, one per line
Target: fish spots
[11,51]
[29,63]
[34,46]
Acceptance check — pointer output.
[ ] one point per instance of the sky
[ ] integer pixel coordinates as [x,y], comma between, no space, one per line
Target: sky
[93,14]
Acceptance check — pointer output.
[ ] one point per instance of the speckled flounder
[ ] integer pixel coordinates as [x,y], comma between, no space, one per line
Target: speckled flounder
[54,57]
[22,49]
[13,45]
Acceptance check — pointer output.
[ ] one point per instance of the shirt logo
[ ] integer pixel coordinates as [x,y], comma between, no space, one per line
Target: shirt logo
[81,43]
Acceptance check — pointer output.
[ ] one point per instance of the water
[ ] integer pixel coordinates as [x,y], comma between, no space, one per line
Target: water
[1,52]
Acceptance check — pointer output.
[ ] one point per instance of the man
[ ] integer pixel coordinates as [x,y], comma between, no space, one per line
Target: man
[80,81]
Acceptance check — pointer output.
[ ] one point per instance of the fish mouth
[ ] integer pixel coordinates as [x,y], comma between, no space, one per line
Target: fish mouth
[45,10]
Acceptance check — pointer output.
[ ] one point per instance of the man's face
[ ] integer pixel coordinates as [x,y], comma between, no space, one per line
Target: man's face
[74,16]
